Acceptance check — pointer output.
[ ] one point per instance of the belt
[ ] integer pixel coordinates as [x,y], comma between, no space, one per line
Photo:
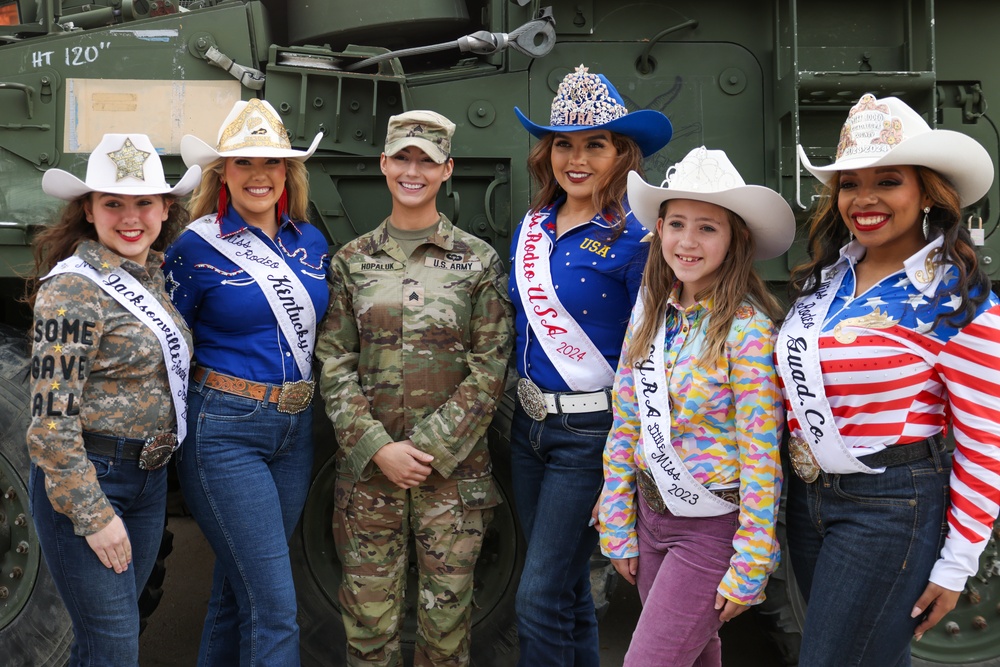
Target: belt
[895,455]
[151,453]
[291,397]
[539,404]
[649,490]
[105,445]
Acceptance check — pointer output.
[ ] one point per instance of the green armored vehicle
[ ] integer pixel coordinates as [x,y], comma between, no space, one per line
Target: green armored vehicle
[755,78]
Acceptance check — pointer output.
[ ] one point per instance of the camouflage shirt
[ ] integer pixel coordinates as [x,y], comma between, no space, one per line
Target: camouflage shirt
[95,368]
[415,348]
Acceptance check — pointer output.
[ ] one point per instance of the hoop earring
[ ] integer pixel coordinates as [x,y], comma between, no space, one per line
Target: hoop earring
[927,224]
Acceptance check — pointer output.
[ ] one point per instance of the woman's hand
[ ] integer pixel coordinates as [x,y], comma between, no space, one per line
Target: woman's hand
[627,568]
[404,465]
[730,609]
[112,546]
[937,602]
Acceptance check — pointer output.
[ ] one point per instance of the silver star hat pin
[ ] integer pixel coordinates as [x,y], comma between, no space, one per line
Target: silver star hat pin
[128,161]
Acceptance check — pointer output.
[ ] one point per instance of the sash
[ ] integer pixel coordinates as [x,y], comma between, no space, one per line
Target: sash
[798,362]
[563,340]
[285,293]
[135,298]
[681,492]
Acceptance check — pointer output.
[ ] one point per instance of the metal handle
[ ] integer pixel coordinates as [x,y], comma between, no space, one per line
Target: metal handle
[28,91]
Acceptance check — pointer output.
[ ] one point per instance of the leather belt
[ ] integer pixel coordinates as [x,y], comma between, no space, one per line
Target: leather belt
[895,455]
[291,397]
[151,453]
[649,490]
[539,404]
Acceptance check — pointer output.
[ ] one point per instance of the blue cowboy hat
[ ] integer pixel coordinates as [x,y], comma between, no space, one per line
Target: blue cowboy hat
[588,101]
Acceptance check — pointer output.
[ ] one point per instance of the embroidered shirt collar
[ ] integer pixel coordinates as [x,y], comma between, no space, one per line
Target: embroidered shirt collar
[602,219]
[924,268]
[233,223]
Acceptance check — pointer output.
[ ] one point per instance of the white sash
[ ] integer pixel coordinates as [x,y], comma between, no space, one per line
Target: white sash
[563,340]
[798,362]
[135,298]
[683,494]
[285,293]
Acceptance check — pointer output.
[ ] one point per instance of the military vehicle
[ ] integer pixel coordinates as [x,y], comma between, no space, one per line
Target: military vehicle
[755,78]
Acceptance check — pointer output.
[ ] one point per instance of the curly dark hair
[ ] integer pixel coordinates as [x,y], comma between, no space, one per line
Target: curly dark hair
[828,233]
[60,240]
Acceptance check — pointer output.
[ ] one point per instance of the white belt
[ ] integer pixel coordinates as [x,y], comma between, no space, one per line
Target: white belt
[596,401]
[538,403]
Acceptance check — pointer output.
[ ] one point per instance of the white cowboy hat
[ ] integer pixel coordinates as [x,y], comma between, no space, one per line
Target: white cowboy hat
[121,164]
[252,129]
[887,132]
[708,176]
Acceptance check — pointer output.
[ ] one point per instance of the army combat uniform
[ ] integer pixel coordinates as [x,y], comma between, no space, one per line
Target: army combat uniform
[95,367]
[413,348]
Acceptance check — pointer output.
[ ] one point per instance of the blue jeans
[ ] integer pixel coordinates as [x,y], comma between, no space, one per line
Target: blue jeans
[862,547]
[244,469]
[104,606]
[558,473]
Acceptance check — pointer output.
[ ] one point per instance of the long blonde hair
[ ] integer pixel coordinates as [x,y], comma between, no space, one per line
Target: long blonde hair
[205,198]
[736,283]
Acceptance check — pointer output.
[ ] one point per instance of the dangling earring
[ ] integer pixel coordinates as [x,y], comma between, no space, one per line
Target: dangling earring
[927,224]
[282,204]
[223,202]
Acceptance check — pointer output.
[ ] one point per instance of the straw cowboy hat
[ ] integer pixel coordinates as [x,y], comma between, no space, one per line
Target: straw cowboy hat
[121,164]
[887,132]
[586,101]
[252,129]
[708,176]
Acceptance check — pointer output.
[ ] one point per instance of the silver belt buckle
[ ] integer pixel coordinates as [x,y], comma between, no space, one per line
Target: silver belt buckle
[295,396]
[157,451]
[803,461]
[649,490]
[532,399]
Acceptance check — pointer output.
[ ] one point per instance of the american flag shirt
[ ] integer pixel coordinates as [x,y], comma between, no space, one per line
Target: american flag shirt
[894,375]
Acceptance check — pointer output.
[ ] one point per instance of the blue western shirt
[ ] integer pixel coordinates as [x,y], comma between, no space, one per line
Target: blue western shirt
[234,330]
[596,281]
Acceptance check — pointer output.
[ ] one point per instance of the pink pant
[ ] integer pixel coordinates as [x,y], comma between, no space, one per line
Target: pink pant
[681,562]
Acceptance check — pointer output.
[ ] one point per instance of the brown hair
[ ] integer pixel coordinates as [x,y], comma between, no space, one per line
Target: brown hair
[608,193]
[828,233]
[205,198]
[60,240]
[736,283]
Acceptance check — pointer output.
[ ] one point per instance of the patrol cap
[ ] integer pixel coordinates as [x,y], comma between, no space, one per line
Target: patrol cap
[429,131]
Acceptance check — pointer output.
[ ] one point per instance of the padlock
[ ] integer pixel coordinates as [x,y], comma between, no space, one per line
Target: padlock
[977,233]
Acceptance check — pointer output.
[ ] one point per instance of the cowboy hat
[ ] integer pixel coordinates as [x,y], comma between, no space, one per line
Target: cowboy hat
[121,164]
[252,129]
[708,176]
[887,132]
[586,101]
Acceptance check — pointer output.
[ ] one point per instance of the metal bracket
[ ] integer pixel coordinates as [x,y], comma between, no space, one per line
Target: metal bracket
[247,76]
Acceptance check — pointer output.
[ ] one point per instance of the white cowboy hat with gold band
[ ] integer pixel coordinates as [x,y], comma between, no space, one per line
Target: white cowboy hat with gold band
[121,164]
[887,132]
[252,129]
[709,176]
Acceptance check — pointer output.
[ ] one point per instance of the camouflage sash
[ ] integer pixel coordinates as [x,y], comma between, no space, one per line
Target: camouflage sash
[681,492]
[818,443]
[136,299]
[563,340]
[285,293]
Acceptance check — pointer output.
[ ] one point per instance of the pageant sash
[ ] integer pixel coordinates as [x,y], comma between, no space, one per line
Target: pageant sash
[799,365]
[286,295]
[136,299]
[683,494]
[563,340]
